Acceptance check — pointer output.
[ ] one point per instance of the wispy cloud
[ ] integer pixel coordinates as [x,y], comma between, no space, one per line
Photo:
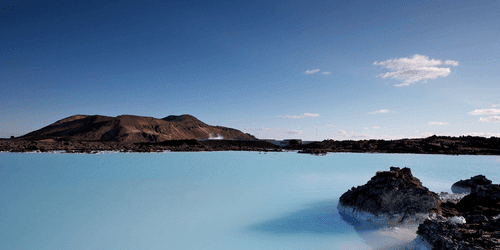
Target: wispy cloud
[495,105]
[490,119]
[382,111]
[375,127]
[326,73]
[312,71]
[485,112]
[414,69]
[438,123]
[257,129]
[294,132]
[300,116]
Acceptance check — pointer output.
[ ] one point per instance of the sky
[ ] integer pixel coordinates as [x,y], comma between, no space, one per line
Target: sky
[312,70]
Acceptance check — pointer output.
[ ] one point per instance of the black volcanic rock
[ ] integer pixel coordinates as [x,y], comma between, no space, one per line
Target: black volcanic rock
[483,200]
[475,223]
[466,186]
[391,192]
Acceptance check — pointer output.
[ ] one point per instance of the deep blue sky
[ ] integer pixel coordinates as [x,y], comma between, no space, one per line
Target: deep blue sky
[275,69]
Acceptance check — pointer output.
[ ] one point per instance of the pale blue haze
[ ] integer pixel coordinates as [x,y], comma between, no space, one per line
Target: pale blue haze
[210,200]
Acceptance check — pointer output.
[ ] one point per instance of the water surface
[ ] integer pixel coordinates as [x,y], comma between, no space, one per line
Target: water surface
[201,200]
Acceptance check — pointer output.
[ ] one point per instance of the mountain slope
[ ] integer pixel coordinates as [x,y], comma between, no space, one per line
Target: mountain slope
[129,128]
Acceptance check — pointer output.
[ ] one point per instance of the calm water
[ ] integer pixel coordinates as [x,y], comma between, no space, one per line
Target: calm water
[209,200]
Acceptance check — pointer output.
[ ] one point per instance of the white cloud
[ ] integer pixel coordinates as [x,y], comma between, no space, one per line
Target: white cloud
[495,105]
[382,111]
[343,133]
[451,62]
[300,116]
[438,123]
[294,132]
[414,69]
[326,73]
[490,119]
[329,125]
[376,127]
[257,129]
[312,71]
[485,112]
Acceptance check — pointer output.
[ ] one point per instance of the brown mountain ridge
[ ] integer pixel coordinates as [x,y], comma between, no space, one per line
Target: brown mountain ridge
[133,129]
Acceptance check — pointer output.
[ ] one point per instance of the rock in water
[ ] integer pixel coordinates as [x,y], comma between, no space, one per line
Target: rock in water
[476,226]
[391,192]
[466,186]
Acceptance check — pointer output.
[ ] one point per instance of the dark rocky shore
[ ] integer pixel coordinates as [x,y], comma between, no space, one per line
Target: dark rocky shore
[191,145]
[431,145]
[446,221]
[464,145]
[130,133]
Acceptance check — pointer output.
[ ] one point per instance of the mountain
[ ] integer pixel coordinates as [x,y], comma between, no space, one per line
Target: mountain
[130,128]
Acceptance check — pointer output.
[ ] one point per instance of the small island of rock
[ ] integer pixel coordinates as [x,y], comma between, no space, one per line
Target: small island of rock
[390,197]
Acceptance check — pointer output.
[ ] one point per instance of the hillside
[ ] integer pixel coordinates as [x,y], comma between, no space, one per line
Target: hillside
[132,129]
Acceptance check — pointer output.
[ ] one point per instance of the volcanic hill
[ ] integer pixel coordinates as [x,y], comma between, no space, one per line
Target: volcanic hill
[132,129]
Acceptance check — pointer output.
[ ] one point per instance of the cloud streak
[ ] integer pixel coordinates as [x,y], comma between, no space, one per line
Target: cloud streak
[438,123]
[485,112]
[294,132]
[312,71]
[300,116]
[382,111]
[490,119]
[414,69]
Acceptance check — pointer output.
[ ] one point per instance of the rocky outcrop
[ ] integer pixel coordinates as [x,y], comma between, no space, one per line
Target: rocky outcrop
[394,196]
[466,186]
[472,223]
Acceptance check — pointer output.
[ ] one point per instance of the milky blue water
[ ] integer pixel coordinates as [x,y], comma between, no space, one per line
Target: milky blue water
[208,200]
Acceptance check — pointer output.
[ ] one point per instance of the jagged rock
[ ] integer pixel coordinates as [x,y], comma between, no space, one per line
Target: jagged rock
[390,194]
[475,223]
[483,200]
[466,186]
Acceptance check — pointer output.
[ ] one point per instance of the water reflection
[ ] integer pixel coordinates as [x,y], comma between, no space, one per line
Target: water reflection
[380,236]
[315,218]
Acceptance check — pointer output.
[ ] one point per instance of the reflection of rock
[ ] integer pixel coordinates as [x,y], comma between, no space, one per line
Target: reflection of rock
[392,196]
[466,186]
[472,223]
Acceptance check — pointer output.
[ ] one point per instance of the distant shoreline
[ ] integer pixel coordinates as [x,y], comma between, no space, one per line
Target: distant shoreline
[466,145]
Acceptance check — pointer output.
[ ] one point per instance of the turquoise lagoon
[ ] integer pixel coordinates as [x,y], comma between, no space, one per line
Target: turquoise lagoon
[202,200]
